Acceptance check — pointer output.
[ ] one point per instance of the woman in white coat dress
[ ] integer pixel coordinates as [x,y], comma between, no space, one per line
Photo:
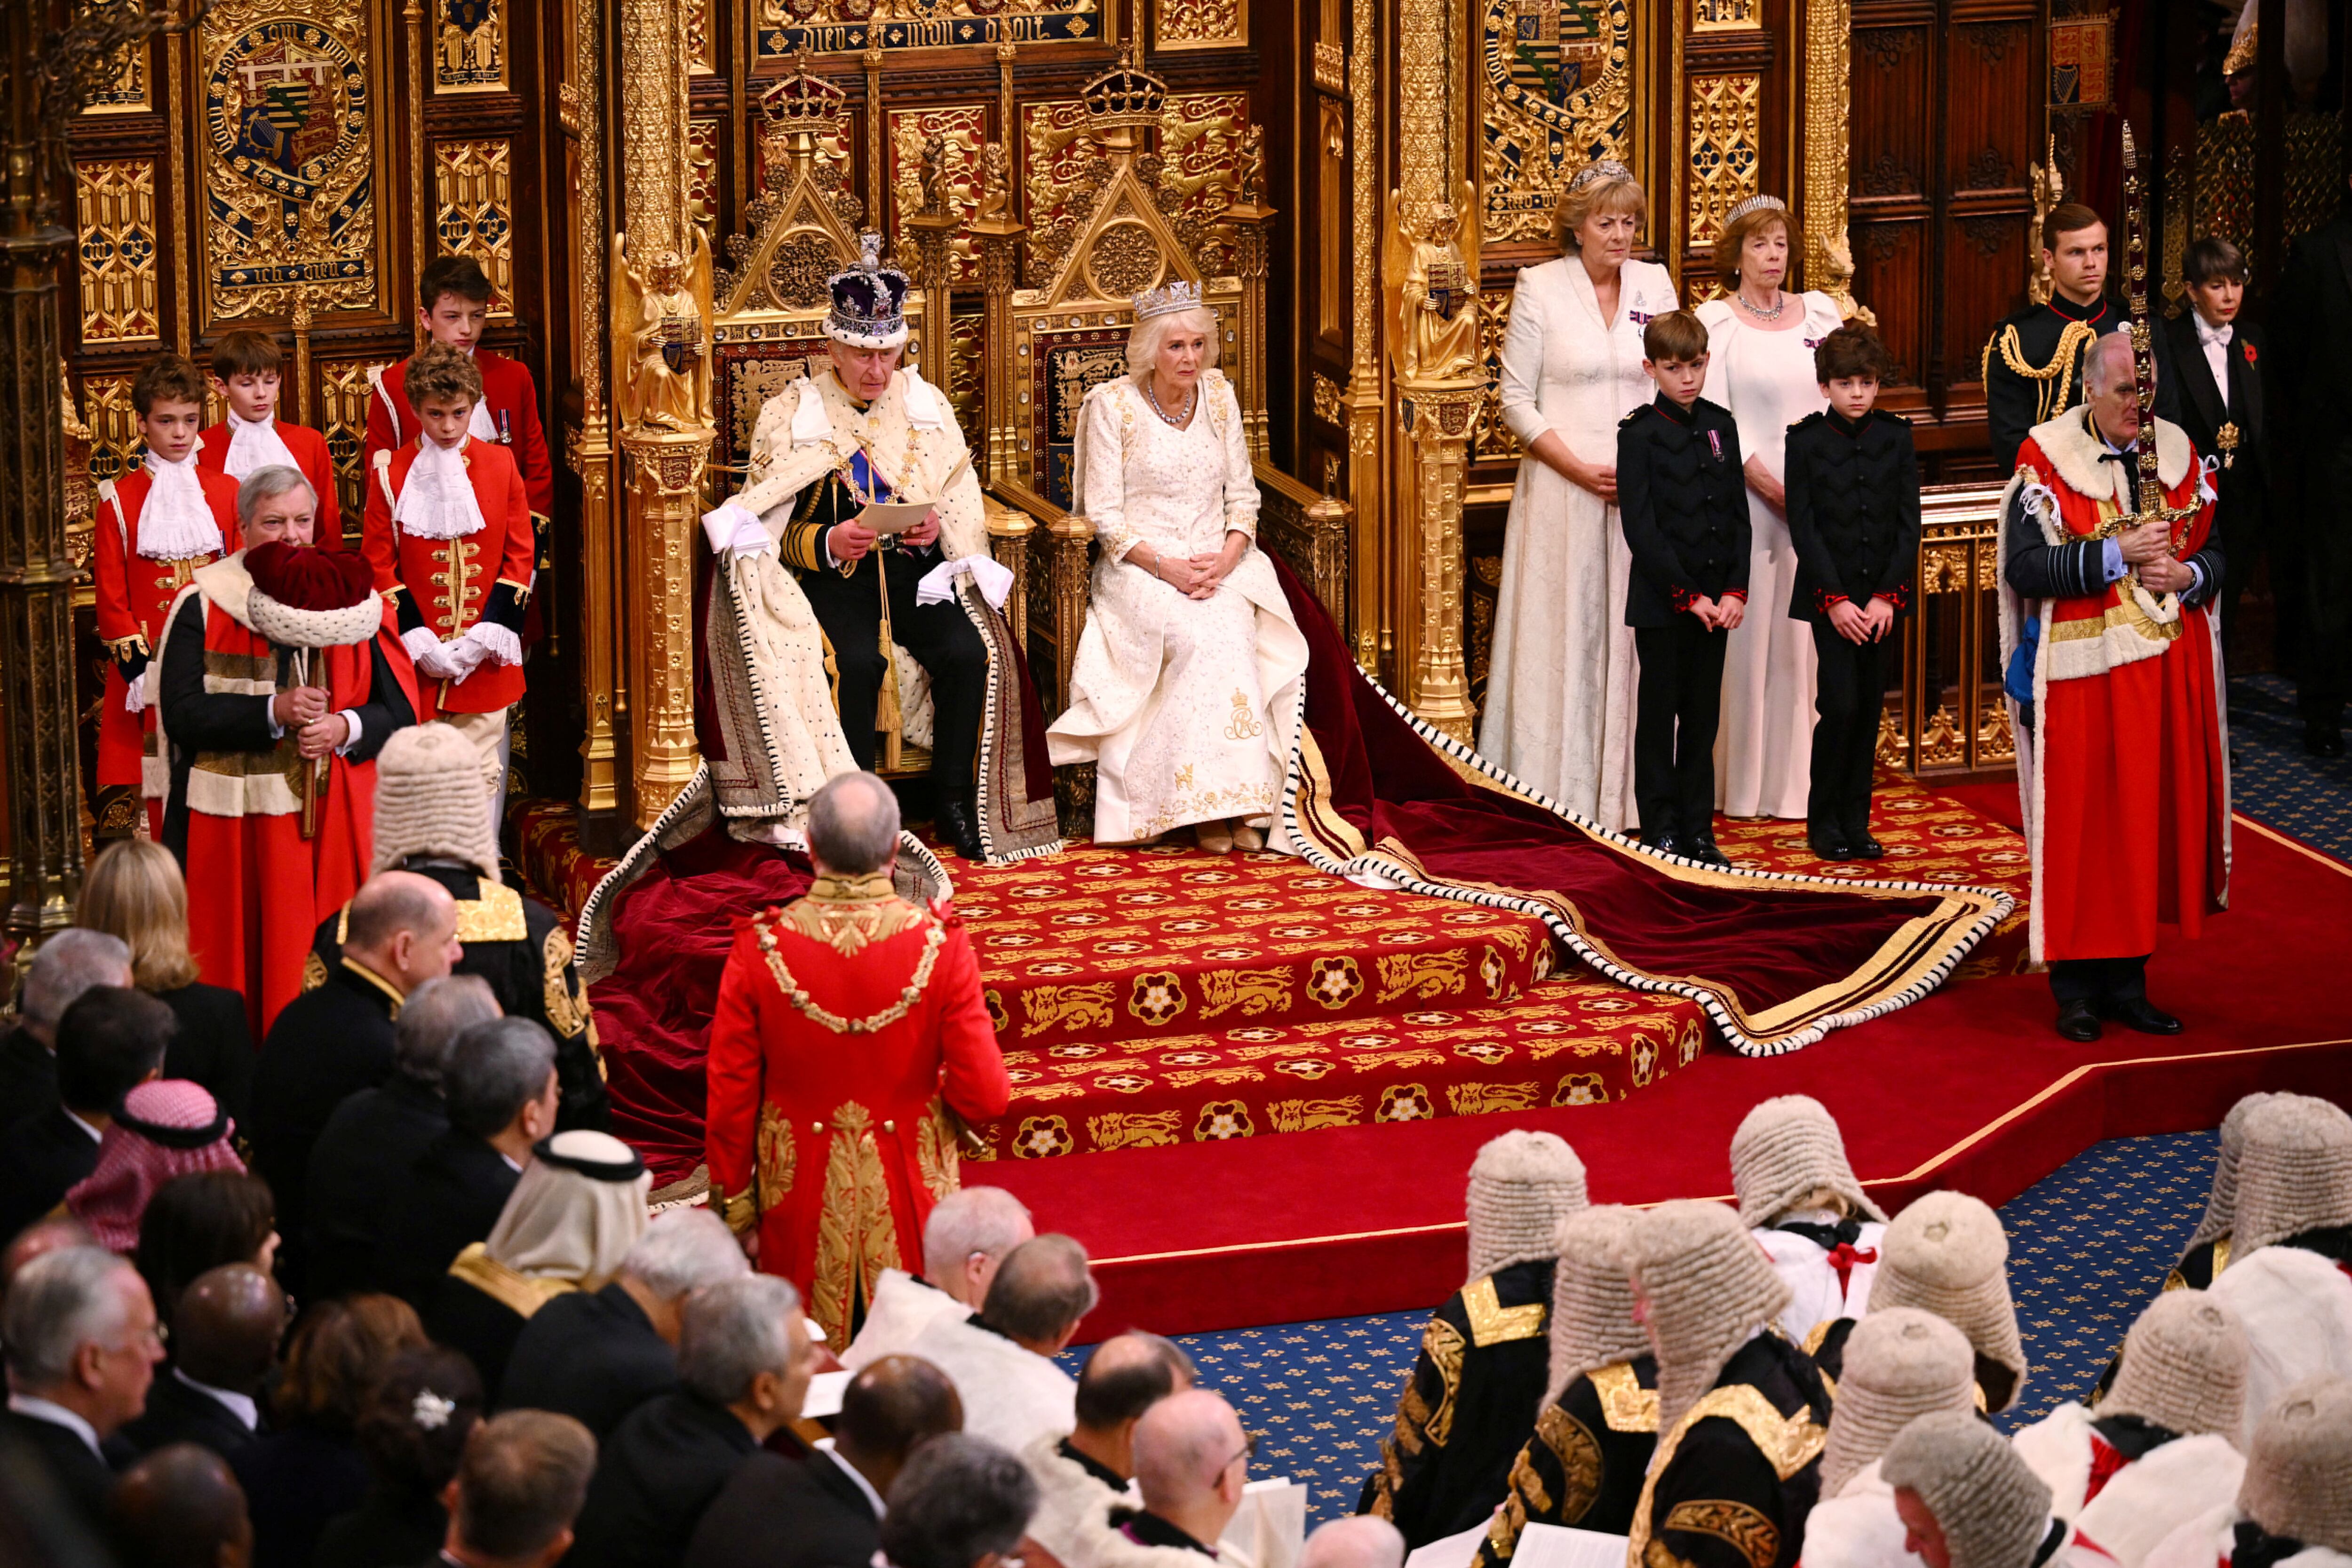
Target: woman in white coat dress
[1186,687]
[1559,690]
[1760,342]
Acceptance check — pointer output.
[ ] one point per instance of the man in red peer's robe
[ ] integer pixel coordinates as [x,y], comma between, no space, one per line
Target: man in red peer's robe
[850,1026]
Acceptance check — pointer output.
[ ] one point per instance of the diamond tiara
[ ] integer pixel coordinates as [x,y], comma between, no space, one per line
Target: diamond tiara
[1605,169]
[1177,296]
[1755,203]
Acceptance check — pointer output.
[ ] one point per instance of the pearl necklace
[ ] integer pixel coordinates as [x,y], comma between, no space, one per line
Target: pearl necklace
[1151,391]
[1780,303]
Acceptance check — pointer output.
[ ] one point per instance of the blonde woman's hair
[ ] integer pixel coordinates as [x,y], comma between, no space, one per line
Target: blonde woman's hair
[134,892]
[1733,241]
[1602,195]
[1143,343]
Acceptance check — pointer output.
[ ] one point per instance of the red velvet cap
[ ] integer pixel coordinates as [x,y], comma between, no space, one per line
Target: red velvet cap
[302,578]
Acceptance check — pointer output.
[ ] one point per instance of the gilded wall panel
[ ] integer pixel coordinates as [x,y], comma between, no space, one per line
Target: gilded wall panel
[1490,437]
[1179,25]
[1727,15]
[962,380]
[1200,149]
[702,194]
[1725,139]
[289,158]
[1557,93]
[344,386]
[784,27]
[126,91]
[470,45]
[473,197]
[962,131]
[121,297]
[114,445]
[1055,154]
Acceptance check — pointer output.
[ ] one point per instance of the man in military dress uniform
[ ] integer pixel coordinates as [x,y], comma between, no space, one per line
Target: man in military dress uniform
[428,781]
[850,1032]
[1742,1413]
[1476,1388]
[1583,1467]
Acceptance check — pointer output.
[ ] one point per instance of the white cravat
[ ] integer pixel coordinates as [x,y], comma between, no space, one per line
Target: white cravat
[478,424]
[253,444]
[174,523]
[2215,342]
[437,499]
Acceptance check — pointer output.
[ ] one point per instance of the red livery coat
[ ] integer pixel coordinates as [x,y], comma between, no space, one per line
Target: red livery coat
[310,455]
[513,401]
[446,585]
[134,594]
[846,1021]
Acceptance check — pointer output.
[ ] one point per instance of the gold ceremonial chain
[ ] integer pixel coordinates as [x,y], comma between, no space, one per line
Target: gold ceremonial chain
[2060,368]
[797,995]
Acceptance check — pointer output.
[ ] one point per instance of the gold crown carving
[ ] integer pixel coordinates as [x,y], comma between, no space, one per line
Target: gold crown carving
[803,100]
[1124,95]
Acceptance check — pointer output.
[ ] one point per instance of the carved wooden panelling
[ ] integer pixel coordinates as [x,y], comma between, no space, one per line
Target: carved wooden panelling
[1991,129]
[473,187]
[470,45]
[1556,90]
[1727,15]
[345,387]
[841,27]
[703,139]
[1199,24]
[1890,85]
[126,92]
[963,129]
[1200,149]
[119,245]
[1054,162]
[114,445]
[1726,139]
[1888,276]
[1983,260]
[1490,437]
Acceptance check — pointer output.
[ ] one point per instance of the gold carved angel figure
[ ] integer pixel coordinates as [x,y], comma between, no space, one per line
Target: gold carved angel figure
[661,332]
[1434,303]
[995,181]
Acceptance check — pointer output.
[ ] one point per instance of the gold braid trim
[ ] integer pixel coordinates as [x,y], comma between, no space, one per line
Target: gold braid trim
[1748,1531]
[799,998]
[2060,368]
[1491,1322]
[1788,1442]
[1625,1404]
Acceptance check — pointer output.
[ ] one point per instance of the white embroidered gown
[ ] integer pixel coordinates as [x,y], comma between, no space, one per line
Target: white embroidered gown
[1560,687]
[1188,708]
[1763,746]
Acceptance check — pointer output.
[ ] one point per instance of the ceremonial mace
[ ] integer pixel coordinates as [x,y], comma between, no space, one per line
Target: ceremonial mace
[2149,491]
[314,769]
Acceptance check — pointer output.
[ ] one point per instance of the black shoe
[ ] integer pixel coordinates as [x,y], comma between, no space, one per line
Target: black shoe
[2138,1013]
[958,828]
[1828,843]
[2077,1022]
[1701,847]
[1865,848]
[1665,842]
[2323,740]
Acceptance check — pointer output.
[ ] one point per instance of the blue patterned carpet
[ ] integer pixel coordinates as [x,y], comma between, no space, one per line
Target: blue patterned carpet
[2275,783]
[2089,1246]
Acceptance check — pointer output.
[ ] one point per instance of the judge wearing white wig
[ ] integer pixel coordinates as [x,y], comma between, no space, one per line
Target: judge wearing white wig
[1185,692]
[570,1221]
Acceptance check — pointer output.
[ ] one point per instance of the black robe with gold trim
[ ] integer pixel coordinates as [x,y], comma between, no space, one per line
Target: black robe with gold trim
[1469,1406]
[1735,1478]
[524,950]
[1584,1465]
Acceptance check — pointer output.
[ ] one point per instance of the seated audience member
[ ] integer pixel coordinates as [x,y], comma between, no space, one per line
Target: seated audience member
[307,1469]
[499,1087]
[38,1239]
[411,1432]
[595,1355]
[336,1039]
[196,1224]
[2209,1244]
[1364,1541]
[964,1240]
[430,819]
[2161,1447]
[1724,1386]
[1798,1193]
[65,966]
[1900,1365]
[1192,1461]
[959,1502]
[573,1216]
[518,1489]
[1081,1476]
[82,1346]
[109,1040]
[1968,1500]
[362,1160]
[1947,1255]
[744,1359]
[163,1130]
[2293,1507]
[225,1334]
[2287,1277]
[1481,1363]
[1002,1360]
[827,1512]
[134,890]
[181,1507]
[1582,1465]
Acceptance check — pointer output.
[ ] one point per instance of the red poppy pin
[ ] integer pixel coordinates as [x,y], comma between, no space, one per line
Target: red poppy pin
[2250,350]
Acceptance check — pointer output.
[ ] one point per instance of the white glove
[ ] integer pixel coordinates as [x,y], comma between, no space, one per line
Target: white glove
[730,527]
[463,657]
[134,694]
[489,643]
[424,649]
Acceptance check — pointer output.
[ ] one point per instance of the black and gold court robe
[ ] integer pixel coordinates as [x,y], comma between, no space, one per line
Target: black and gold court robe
[524,950]
[1584,1465]
[1468,1407]
[1735,1478]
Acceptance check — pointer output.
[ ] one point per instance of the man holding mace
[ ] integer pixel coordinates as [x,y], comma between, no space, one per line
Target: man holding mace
[2109,569]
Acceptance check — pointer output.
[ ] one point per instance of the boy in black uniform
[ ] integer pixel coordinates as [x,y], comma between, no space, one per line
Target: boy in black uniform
[2214,363]
[1684,504]
[1854,515]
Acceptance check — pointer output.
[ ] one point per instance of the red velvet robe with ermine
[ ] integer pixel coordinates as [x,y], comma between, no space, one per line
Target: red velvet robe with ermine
[2125,773]
[848,1023]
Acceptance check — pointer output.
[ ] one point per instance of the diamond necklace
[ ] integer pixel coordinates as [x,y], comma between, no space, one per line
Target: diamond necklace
[1780,303]
[1151,391]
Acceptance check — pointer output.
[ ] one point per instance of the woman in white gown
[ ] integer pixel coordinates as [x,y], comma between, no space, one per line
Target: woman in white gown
[1559,690]
[1185,692]
[1760,342]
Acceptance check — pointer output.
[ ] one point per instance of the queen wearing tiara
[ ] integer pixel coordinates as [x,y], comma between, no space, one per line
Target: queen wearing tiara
[1760,344]
[1559,697]
[1186,687]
